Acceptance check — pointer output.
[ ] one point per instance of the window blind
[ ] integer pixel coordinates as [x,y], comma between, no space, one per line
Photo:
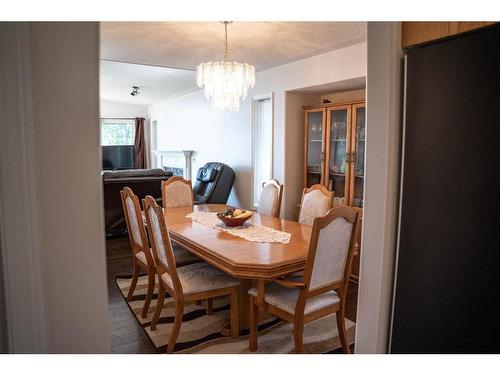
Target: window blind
[263,146]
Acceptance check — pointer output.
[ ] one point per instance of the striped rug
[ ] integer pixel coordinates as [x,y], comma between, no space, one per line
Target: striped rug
[201,333]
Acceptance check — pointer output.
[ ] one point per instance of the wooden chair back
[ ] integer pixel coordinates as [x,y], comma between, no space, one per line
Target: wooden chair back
[270,198]
[331,250]
[176,192]
[316,201]
[161,245]
[135,225]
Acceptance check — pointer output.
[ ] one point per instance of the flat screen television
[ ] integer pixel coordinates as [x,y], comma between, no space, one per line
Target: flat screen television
[118,157]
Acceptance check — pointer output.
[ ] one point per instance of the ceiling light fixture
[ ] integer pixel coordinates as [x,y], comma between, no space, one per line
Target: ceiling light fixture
[135,91]
[225,83]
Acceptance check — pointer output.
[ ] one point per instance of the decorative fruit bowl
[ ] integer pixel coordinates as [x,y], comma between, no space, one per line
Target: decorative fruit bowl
[234,217]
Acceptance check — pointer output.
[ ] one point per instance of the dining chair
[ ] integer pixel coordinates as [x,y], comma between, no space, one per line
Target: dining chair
[270,198]
[141,252]
[323,288]
[189,283]
[316,201]
[176,192]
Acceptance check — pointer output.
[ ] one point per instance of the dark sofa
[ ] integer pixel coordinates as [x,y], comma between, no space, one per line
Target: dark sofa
[142,181]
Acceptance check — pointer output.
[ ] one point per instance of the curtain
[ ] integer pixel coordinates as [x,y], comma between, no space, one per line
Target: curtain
[139,144]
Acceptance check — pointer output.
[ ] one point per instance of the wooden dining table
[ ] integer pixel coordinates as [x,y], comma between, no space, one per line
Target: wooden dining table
[245,260]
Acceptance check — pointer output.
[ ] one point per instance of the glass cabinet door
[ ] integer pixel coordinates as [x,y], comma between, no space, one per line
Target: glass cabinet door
[337,149]
[358,146]
[314,146]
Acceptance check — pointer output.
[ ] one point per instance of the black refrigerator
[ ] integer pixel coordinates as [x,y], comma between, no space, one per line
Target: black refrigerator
[447,280]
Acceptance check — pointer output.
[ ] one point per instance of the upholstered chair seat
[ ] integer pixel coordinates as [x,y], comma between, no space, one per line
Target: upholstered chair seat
[286,298]
[200,277]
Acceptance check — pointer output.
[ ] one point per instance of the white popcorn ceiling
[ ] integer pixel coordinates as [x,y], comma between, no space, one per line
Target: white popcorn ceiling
[185,44]
[333,87]
[155,83]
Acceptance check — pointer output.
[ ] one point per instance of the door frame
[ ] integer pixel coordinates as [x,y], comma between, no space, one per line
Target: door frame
[353,149]
[381,188]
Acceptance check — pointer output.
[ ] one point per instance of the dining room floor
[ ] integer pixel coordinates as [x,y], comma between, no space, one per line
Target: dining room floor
[127,337]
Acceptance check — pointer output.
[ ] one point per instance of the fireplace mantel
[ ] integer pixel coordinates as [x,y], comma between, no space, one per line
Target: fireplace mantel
[176,160]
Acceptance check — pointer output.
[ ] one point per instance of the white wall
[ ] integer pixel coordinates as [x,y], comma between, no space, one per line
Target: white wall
[65,79]
[112,109]
[188,122]
[346,96]
[384,97]
[22,283]
[52,245]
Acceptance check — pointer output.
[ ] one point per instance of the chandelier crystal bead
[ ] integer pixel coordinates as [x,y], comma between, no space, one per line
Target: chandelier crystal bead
[225,83]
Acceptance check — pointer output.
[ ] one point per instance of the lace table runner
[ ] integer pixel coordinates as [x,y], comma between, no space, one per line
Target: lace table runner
[249,230]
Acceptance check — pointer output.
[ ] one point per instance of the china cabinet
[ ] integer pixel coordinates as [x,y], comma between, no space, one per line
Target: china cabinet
[335,150]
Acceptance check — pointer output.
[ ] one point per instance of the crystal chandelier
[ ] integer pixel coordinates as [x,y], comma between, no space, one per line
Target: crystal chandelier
[225,83]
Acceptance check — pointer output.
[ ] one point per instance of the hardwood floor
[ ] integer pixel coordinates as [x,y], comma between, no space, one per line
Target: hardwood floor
[127,337]
[126,334]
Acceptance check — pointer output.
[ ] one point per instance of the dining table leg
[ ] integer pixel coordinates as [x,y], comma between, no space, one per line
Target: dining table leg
[243,305]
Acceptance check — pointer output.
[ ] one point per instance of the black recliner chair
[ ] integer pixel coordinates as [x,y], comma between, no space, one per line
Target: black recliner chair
[214,182]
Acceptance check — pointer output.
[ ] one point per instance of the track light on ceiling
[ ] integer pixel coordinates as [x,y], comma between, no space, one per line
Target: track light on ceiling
[135,91]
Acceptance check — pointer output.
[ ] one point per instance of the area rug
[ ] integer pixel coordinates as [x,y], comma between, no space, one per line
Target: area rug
[209,334]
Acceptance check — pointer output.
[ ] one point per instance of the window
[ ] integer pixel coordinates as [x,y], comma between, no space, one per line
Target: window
[262,144]
[117,132]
